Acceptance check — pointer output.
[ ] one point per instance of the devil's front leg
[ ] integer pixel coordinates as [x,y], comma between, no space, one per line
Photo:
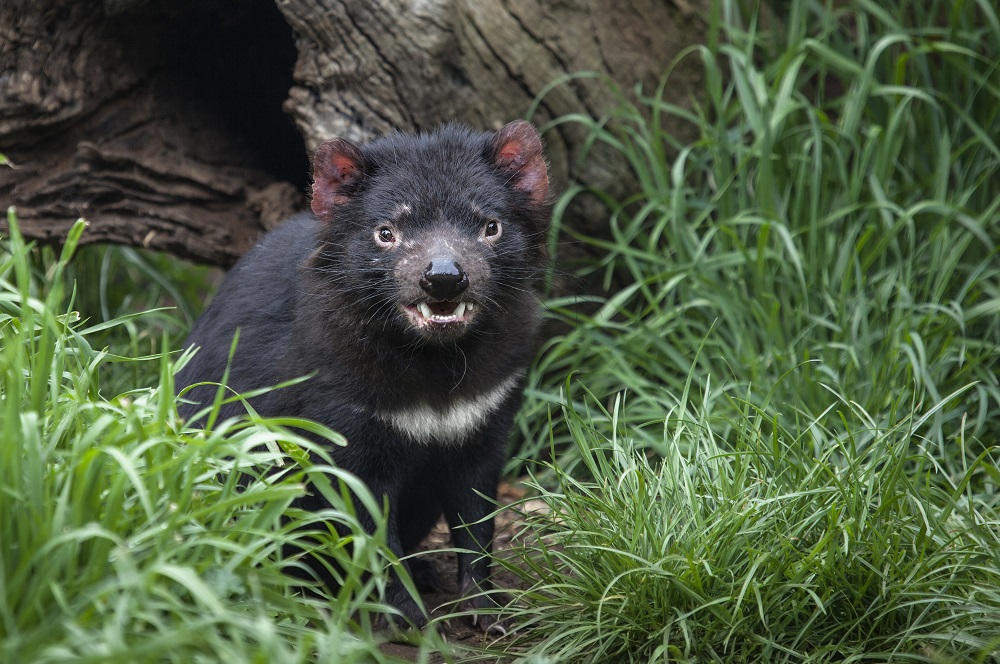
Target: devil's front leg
[468,492]
[385,478]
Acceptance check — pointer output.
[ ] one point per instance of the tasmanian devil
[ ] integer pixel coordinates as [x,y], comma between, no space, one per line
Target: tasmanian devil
[407,296]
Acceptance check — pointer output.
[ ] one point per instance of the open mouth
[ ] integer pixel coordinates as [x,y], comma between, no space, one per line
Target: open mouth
[439,314]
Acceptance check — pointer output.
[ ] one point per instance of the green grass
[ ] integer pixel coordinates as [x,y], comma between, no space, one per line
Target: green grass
[128,537]
[753,550]
[778,438]
[810,245]
[114,282]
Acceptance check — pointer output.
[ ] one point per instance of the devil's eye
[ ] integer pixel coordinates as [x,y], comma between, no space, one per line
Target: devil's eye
[491,229]
[385,236]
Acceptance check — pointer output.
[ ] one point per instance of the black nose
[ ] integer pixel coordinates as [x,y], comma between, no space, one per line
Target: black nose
[444,280]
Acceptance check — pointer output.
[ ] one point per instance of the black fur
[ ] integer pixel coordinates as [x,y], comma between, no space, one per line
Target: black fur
[322,296]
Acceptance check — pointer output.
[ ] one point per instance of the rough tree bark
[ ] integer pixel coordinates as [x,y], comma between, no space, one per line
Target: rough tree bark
[159,122]
[116,112]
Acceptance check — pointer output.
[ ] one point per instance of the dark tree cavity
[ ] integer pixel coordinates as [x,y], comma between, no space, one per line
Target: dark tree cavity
[160,123]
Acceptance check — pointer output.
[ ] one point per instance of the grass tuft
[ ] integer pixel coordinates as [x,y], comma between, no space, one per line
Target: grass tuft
[752,550]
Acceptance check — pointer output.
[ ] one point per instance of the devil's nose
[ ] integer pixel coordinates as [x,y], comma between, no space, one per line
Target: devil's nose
[444,280]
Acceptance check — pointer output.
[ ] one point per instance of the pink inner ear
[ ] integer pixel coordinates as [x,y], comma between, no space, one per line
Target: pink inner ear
[534,179]
[343,167]
[336,164]
[512,153]
[531,176]
[519,151]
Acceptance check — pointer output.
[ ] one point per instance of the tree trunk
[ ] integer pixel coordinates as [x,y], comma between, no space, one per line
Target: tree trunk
[161,123]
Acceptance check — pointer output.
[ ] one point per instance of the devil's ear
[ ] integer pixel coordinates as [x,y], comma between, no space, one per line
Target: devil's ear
[517,152]
[337,167]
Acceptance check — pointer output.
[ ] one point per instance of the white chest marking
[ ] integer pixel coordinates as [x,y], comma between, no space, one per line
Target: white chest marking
[450,425]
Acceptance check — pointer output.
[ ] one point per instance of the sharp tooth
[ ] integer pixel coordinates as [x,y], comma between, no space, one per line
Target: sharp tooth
[459,310]
[425,310]
[468,305]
